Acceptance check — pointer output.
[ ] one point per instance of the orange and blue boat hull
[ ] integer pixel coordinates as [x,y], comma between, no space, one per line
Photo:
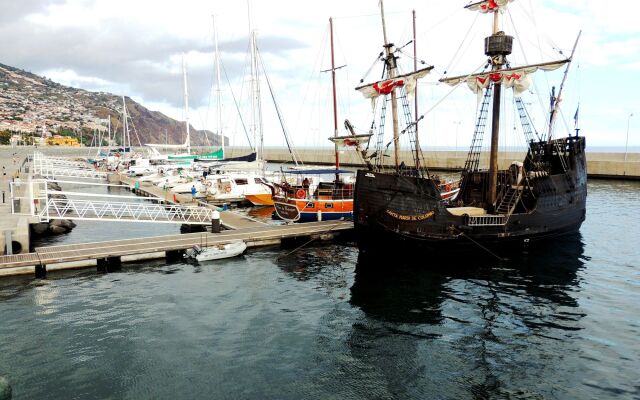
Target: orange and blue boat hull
[302,210]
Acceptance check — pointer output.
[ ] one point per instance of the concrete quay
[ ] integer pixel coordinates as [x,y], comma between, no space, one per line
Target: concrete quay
[14,229]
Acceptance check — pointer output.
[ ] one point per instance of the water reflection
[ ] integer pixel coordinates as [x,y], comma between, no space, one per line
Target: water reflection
[328,267]
[396,288]
[489,328]
[260,213]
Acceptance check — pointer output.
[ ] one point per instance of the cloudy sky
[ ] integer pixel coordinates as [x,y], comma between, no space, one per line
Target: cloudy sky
[135,48]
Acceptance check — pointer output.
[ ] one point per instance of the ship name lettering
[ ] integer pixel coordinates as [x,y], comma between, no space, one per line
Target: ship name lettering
[418,217]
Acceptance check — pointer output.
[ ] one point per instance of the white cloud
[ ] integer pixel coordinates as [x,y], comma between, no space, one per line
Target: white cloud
[135,48]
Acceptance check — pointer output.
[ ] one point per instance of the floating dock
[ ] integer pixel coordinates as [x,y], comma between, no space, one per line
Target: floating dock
[114,252]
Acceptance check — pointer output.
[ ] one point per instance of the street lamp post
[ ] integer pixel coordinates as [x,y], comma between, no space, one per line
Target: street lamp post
[457,126]
[626,144]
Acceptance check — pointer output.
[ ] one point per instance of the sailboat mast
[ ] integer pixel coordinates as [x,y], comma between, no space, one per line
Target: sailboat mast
[125,128]
[415,100]
[253,91]
[256,115]
[186,101]
[256,111]
[335,105]
[391,71]
[218,89]
[497,47]
[258,96]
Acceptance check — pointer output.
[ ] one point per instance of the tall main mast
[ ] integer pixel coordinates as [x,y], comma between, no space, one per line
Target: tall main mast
[390,60]
[497,46]
[415,100]
[335,105]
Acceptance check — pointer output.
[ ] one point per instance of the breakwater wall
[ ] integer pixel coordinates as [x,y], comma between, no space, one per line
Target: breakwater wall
[599,164]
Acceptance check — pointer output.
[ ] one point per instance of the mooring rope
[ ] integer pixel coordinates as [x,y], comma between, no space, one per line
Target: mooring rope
[309,241]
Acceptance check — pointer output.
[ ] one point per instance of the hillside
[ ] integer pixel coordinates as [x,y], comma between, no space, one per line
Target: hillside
[30,103]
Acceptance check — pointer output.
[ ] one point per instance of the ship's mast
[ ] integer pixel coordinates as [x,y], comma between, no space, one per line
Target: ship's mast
[556,105]
[391,71]
[218,89]
[415,68]
[497,47]
[335,105]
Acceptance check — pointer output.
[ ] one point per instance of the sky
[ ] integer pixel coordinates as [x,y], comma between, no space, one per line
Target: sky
[136,48]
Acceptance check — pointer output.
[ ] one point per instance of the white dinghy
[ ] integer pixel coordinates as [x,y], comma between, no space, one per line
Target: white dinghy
[216,252]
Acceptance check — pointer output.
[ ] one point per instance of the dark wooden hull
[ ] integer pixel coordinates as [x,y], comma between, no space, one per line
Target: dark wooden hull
[405,211]
[286,211]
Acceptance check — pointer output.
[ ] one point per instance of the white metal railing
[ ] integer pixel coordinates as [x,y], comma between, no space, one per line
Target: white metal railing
[55,167]
[42,159]
[34,198]
[50,171]
[487,220]
[27,195]
[123,211]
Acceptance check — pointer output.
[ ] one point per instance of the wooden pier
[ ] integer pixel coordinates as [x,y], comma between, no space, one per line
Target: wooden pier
[113,253]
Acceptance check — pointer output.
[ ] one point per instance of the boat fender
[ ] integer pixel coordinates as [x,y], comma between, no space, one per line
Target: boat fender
[447,187]
[301,194]
[227,189]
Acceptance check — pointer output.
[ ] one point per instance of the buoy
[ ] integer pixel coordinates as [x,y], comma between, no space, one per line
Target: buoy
[5,389]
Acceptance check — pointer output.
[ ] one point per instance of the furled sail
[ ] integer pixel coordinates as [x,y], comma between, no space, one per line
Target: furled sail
[351,140]
[409,81]
[487,6]
[516,78]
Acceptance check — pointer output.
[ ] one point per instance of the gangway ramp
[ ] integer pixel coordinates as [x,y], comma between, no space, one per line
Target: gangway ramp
[35,198]
[99,210]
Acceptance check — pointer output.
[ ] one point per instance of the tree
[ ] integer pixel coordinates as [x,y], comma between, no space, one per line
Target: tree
[5,137]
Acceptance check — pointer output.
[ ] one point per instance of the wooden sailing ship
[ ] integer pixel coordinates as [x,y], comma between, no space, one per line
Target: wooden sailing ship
[539,197]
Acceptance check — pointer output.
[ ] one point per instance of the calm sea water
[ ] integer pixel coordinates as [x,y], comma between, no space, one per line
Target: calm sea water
[323,323]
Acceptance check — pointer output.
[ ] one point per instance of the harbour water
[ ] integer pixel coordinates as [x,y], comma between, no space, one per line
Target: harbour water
[326,323]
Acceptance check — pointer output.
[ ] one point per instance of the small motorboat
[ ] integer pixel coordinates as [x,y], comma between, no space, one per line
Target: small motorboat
[216,252]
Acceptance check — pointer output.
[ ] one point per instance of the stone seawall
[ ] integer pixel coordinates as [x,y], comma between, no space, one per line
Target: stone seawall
[599,164]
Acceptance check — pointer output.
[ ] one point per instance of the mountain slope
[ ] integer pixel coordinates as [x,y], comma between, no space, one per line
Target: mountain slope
[30,103]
